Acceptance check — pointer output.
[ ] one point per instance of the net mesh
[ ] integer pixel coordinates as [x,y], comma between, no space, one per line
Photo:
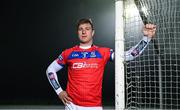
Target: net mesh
[153,79]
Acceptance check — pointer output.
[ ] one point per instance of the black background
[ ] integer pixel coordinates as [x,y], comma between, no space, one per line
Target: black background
[34,32]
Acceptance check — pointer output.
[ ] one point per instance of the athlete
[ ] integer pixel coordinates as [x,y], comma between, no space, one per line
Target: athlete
[86,63]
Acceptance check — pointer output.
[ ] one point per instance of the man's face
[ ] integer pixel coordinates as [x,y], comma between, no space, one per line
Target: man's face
[85,33]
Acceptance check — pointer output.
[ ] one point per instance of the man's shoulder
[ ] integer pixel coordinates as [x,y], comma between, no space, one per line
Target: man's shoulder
[102,47]
[104,50]
[71,48]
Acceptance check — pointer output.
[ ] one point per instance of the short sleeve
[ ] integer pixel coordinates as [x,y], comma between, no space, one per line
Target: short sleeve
[61,60]
[109,54]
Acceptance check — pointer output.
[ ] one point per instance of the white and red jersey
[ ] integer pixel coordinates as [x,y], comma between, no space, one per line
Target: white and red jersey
[85,71]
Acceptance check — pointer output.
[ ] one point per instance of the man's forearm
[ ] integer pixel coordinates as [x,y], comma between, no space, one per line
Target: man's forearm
[52,76]
[137,50]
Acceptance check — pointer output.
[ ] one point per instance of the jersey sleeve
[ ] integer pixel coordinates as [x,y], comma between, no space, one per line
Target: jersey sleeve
[52,70]
[109,54]
[61,60]
[137,50]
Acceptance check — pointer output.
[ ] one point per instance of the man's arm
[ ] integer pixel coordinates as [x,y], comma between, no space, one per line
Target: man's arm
[52,76]
[51,73]
[137,49]
[149,32]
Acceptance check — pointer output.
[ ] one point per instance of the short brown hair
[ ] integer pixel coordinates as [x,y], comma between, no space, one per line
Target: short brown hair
[84,21]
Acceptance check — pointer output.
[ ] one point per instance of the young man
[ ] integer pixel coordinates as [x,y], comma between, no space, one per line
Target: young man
[86,63]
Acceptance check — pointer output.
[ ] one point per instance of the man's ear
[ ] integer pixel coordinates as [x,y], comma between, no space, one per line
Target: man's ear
[93,32]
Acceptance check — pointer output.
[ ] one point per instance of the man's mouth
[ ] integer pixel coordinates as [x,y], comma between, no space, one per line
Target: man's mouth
[83,36]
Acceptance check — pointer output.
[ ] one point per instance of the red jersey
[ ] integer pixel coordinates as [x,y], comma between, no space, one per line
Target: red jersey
[85,73]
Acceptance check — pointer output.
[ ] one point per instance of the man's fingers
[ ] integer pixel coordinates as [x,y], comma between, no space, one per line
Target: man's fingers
[64,102]
[69,99]
[150,26]
[65,98]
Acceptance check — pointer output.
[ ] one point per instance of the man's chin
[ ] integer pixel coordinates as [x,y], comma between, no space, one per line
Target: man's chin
[85,41]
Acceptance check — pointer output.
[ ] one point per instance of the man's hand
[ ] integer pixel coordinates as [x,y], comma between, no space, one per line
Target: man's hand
[64,97]
[149,30]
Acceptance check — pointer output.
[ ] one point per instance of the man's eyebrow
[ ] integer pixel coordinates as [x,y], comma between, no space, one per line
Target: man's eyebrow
[84,27]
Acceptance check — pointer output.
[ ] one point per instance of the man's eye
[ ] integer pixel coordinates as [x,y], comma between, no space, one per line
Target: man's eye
[80,29]
[88,28]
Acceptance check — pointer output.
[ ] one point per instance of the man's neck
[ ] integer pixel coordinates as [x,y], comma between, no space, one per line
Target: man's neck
[85,45]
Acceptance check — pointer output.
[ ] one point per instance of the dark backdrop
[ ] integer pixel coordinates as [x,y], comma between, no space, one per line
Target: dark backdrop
[34,32]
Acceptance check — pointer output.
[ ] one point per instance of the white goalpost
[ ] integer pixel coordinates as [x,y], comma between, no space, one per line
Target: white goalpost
[119,57]
[152,80]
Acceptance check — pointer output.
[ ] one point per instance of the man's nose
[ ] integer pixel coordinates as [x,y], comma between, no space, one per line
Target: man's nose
[83,31]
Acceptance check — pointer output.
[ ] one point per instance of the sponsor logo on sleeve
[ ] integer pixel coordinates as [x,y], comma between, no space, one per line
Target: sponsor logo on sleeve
[139,48]
[53,81]
[60,57]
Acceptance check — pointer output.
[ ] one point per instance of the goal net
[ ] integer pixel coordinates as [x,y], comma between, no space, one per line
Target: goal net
[152,80]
